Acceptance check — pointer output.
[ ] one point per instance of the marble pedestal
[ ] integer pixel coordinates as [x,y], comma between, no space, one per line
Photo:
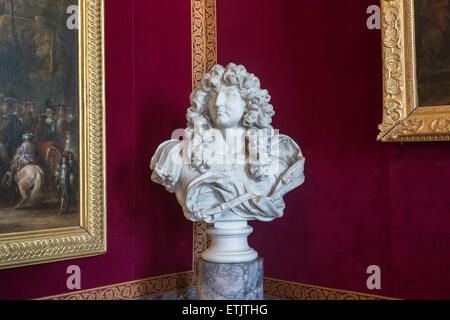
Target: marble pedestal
[230,281]
[229,243]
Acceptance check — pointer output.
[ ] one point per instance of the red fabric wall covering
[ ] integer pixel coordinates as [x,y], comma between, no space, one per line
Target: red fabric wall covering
[163,237]
[363,202]
[148,81]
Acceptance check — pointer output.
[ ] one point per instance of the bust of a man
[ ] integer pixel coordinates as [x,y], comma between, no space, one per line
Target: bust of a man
[231,165]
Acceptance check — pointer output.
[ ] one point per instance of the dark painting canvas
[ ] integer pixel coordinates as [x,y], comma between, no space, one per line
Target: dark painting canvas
[432,25]
[39,160]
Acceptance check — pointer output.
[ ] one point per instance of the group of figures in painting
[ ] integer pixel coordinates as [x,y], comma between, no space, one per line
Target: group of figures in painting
[38,152]
[39,161]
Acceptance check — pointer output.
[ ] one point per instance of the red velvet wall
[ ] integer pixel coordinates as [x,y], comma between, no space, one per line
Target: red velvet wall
[363,202]
[148,81]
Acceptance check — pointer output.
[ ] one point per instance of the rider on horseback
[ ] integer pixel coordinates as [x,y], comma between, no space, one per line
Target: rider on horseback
[26,154]
[25,171]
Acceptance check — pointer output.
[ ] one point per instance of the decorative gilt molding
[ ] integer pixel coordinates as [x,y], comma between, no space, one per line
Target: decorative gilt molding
[132,290]
[403,119]
[25,248]
[286,290]
[154,286]
[200,241]
[204,41]
[210,34]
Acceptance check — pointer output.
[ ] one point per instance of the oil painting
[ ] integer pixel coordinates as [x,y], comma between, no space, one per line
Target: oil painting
[39,116]
[52,131]
[432,28]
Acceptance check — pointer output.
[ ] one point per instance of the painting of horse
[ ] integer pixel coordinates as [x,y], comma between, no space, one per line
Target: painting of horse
[38,116]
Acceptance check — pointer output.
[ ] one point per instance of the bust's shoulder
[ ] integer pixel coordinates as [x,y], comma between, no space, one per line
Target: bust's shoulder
[168,144]
[286,146]
[166,163]
[166,148]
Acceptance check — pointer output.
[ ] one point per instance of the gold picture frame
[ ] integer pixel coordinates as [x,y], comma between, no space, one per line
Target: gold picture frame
[403,119]
[89,238]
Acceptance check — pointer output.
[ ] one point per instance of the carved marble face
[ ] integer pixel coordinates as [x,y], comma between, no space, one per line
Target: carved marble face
[226,107]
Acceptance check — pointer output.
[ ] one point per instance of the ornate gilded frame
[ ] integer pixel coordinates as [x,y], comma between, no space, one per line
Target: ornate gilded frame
[403,119]
[25,248]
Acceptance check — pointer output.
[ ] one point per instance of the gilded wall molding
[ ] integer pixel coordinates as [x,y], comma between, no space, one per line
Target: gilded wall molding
[403,119]
[203,36]
[274,288]
[133,289]
[287,290]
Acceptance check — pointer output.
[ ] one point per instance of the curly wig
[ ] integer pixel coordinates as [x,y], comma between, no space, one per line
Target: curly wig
[257,115]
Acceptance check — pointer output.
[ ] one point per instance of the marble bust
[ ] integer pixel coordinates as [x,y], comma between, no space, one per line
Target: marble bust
[230,166]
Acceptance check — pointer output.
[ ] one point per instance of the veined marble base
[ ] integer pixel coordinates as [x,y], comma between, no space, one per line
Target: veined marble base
[230,281]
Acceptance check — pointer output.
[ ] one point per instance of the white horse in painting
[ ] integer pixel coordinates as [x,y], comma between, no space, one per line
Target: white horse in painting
[30,180]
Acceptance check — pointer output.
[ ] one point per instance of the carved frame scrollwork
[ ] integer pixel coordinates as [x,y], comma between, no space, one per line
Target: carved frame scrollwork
[403,119]
[89,238]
